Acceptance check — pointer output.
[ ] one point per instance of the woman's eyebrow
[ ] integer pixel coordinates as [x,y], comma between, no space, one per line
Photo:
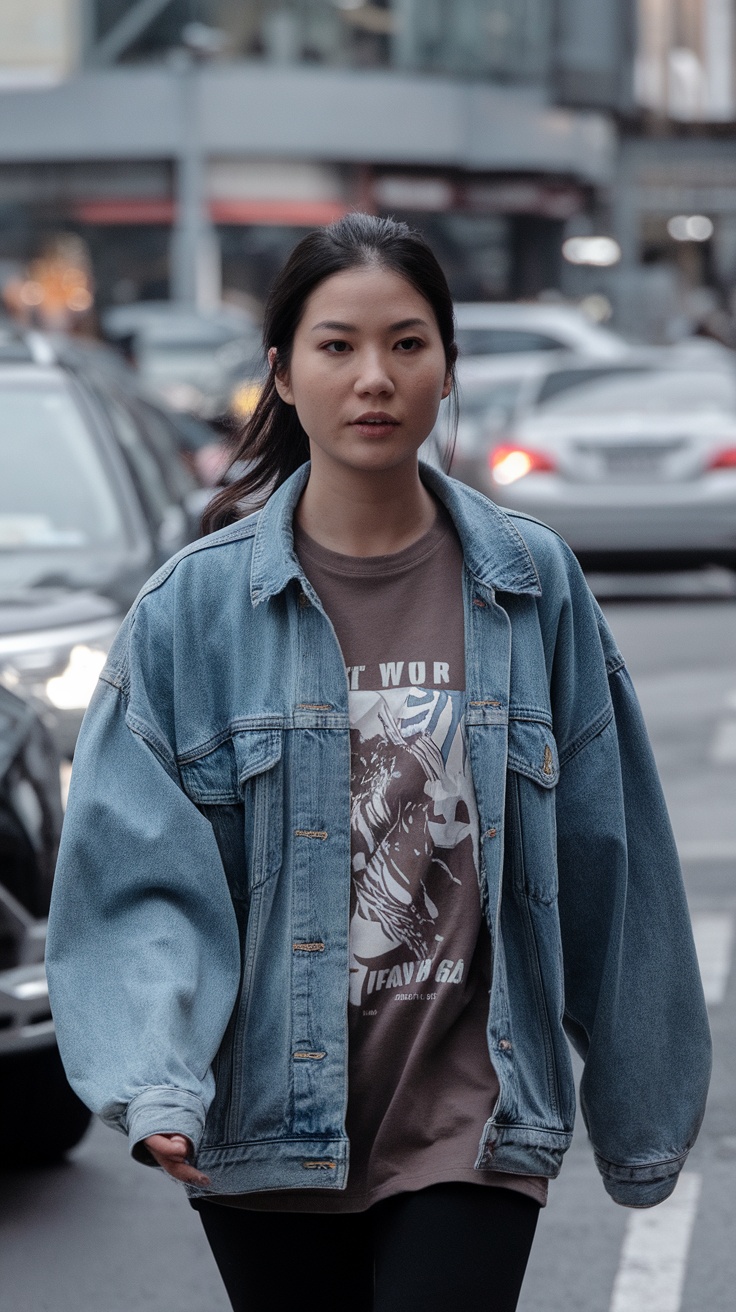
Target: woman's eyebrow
[408,323]
[335,326]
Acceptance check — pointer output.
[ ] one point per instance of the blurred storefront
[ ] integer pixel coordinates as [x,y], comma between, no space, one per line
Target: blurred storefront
[489,123]
[189,143]
[676,175]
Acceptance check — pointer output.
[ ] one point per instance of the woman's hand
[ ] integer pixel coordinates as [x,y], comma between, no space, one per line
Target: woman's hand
[171,1151]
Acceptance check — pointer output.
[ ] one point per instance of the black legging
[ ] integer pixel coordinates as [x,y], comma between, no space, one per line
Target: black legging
[452,1246]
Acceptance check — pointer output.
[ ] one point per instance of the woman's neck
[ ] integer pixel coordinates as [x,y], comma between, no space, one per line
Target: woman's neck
[366,512]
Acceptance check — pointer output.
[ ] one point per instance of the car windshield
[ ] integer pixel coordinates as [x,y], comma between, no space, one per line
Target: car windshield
[503,341]
[54,490]
[646,391]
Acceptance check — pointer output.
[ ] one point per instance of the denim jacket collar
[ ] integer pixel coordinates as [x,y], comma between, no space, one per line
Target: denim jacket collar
[495,553]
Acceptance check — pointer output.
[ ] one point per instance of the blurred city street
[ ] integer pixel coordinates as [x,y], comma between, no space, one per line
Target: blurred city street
[99,1231]
[572,163]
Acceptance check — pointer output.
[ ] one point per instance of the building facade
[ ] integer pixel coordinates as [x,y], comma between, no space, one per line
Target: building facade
[170,134]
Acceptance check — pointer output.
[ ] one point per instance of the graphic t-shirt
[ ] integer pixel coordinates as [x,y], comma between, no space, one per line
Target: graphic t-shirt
[421,1083]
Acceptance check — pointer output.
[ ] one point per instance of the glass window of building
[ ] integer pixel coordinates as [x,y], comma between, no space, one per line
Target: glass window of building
[685,59]
[502,39]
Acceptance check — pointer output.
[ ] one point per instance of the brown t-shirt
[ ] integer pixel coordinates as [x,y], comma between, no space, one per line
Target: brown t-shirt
[421,1084]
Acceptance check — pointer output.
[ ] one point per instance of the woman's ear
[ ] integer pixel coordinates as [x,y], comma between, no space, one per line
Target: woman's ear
[447,385]
[280,381]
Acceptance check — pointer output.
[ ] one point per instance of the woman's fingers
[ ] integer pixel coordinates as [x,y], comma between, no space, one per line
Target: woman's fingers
[171,1152]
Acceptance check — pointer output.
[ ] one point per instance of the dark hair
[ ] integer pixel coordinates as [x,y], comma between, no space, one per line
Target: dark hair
[273,443]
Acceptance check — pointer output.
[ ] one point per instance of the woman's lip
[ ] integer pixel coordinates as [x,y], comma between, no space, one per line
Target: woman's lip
[375,421]
[373,430]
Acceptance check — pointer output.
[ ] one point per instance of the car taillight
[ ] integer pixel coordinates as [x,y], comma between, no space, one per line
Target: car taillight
[509,463]
[725,459]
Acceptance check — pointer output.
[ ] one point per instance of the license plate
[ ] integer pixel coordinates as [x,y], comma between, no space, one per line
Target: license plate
[632,463]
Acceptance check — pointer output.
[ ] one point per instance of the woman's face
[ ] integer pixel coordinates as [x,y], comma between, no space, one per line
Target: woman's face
[367,371]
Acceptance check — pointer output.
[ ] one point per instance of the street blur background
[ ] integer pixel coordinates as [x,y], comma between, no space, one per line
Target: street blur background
[573,164]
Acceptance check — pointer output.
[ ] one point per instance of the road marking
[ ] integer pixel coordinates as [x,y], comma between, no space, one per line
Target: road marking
[723,747]
[651,1272]
[707,849]
[713,942]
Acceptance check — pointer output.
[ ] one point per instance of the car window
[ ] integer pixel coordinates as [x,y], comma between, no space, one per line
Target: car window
[565,380]
[646,391]
[501,398]
[504,341]
[190,433]
[144,469]
[55,490]
[163,440]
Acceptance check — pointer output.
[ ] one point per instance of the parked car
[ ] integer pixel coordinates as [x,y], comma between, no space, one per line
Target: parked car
[94,495]
[501,346]
[195,359]
[634,463]
[489,329]
[487,404]
[41,1117]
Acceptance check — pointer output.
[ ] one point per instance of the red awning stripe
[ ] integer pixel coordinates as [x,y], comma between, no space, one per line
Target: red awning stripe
[290,213]
[124,211]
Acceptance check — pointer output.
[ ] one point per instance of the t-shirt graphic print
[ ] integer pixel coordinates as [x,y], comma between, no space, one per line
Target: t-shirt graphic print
[414,839]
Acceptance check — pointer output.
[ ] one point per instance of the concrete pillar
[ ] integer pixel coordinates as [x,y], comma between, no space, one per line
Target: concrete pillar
[195,249]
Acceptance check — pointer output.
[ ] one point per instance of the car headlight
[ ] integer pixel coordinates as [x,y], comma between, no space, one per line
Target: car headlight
[28,990]
[72,689]
[59,667]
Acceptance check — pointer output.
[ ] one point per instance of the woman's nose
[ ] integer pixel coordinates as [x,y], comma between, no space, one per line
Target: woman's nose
[374,378]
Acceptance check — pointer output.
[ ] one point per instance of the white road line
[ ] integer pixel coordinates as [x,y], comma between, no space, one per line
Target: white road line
[651,1272]
[713,933]
[723,747]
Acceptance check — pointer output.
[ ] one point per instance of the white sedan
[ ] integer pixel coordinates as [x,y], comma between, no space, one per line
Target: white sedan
[633,463]
[489,329]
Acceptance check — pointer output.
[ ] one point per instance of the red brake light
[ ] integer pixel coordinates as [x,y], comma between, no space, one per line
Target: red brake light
[509,463]
[725,459]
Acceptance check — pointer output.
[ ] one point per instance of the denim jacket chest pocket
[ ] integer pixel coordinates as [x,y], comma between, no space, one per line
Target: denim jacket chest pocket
[242,772]
[534,771]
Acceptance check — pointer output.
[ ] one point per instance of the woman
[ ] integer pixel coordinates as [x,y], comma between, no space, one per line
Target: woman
[364,814]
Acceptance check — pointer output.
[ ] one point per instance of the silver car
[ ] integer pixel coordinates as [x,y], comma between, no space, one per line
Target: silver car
[487,330]
[633,463]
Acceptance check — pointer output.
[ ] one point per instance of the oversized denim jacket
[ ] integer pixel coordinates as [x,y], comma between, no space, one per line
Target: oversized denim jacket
[198,944]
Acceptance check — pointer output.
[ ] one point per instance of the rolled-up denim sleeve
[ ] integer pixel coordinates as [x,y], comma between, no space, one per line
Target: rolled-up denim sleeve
[143,953]
[635,1010]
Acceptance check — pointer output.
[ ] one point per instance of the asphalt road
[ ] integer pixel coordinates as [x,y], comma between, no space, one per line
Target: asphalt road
[590,1255]
[101,1234]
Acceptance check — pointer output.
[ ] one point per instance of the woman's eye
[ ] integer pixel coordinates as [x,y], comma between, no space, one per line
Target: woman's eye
[337,348]
[408,344]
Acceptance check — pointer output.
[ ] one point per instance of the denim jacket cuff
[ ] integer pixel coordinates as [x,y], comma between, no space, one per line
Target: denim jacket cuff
[640,1186]
[163,1110]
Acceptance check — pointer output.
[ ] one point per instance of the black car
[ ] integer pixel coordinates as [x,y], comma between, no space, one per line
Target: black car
[40,1115]
[95,493]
